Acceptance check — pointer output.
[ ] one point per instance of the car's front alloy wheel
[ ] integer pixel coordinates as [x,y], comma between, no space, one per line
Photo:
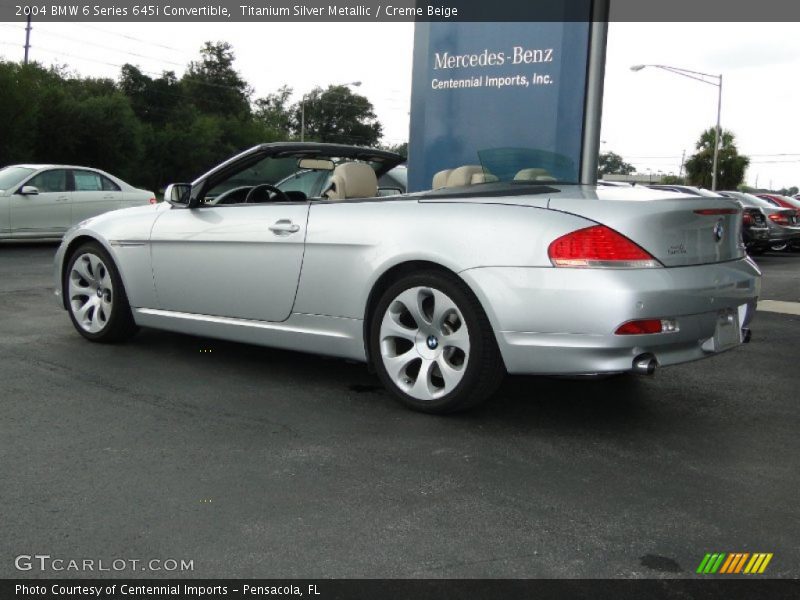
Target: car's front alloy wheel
[95,296]
[432,344]
[91,292]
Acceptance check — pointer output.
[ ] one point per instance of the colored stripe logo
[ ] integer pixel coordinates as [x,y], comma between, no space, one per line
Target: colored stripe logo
[734,563]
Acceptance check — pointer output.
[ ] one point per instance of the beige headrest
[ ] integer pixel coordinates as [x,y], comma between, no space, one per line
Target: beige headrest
[533,175]
[463,175]
[353,180]
[483,178]
[440,179]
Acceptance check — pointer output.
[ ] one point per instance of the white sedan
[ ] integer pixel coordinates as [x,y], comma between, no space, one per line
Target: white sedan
[43,201]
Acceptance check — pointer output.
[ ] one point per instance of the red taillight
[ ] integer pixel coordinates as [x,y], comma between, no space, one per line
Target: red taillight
[598,246]
[153,200]
[645,326]
[747,219]
[779,219]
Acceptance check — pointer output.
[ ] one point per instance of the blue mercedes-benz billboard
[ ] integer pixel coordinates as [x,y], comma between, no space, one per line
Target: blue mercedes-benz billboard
[504,96]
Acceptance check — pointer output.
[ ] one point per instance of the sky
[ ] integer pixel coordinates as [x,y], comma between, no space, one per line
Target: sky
[650,117]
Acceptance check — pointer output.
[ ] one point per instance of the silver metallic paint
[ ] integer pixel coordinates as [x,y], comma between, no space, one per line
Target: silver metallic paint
[546,319]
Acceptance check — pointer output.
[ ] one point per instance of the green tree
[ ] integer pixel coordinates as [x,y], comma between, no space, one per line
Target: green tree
[401,149]
[274,112]
[338,115]
[731,164]
[155,130]
[611,163]
[673,180]
[154,100]
[213,85]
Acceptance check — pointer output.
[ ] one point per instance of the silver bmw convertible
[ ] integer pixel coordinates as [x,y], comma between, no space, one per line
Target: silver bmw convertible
[441,292]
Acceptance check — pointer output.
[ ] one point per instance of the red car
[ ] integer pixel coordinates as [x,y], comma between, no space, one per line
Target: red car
[784,201]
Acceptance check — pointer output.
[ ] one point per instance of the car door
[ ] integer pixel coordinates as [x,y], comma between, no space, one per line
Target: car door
[240,261]
[45,213]
[89,198]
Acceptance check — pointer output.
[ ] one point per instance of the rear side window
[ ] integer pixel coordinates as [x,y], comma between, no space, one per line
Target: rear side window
[108,185]
[54,180]
[87,181]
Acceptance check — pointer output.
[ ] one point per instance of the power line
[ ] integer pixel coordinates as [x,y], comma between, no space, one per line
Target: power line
[86,42]
[128,37]
[66,37]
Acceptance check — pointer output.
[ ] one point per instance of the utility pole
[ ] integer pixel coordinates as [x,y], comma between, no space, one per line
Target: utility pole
[27,38]
[683,162]
[702,78]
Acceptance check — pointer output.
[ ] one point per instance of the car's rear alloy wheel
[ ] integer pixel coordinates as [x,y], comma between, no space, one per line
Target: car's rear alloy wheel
[433,345]
[95,296]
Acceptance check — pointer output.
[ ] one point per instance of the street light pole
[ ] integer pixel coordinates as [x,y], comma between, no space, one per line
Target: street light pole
[701,77]
[714,168]
[303,109]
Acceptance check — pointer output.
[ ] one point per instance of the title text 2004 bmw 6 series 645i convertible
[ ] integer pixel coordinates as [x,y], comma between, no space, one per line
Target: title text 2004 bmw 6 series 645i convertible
[442,292]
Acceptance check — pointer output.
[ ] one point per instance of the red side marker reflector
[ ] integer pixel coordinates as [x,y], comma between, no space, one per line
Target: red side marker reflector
[153,201]
[639,327]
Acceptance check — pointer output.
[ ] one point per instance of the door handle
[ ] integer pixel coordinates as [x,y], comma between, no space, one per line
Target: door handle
[284,227]
[62,199]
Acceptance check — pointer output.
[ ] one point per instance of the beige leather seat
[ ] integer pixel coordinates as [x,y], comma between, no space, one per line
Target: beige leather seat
[440,179]
[483,178]
[352,180]
[534,175]
[463,175]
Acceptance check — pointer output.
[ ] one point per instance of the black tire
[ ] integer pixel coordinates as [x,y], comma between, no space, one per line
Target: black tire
[120,325]
[484,370]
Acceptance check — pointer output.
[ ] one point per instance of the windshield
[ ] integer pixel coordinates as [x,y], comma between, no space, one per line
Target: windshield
[11,176]
[525,165]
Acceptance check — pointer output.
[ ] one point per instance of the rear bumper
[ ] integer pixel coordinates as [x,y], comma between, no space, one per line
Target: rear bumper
[778,233]
[562,321]
[754,236]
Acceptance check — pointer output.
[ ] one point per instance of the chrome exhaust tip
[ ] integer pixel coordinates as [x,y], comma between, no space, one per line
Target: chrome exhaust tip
[645,364]
[746,335]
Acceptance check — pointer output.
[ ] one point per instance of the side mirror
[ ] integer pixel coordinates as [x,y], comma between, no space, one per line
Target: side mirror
[178,194]
[29,190]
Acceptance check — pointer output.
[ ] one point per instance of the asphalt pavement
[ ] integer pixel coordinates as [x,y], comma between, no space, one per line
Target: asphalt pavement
[252,462]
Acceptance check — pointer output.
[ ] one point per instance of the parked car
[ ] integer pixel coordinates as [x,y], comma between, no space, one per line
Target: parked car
[442,292]
[43,201]
[782,223]
[784,201]
[689,190]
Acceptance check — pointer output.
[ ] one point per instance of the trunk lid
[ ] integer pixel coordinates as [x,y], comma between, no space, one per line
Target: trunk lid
[678,230]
